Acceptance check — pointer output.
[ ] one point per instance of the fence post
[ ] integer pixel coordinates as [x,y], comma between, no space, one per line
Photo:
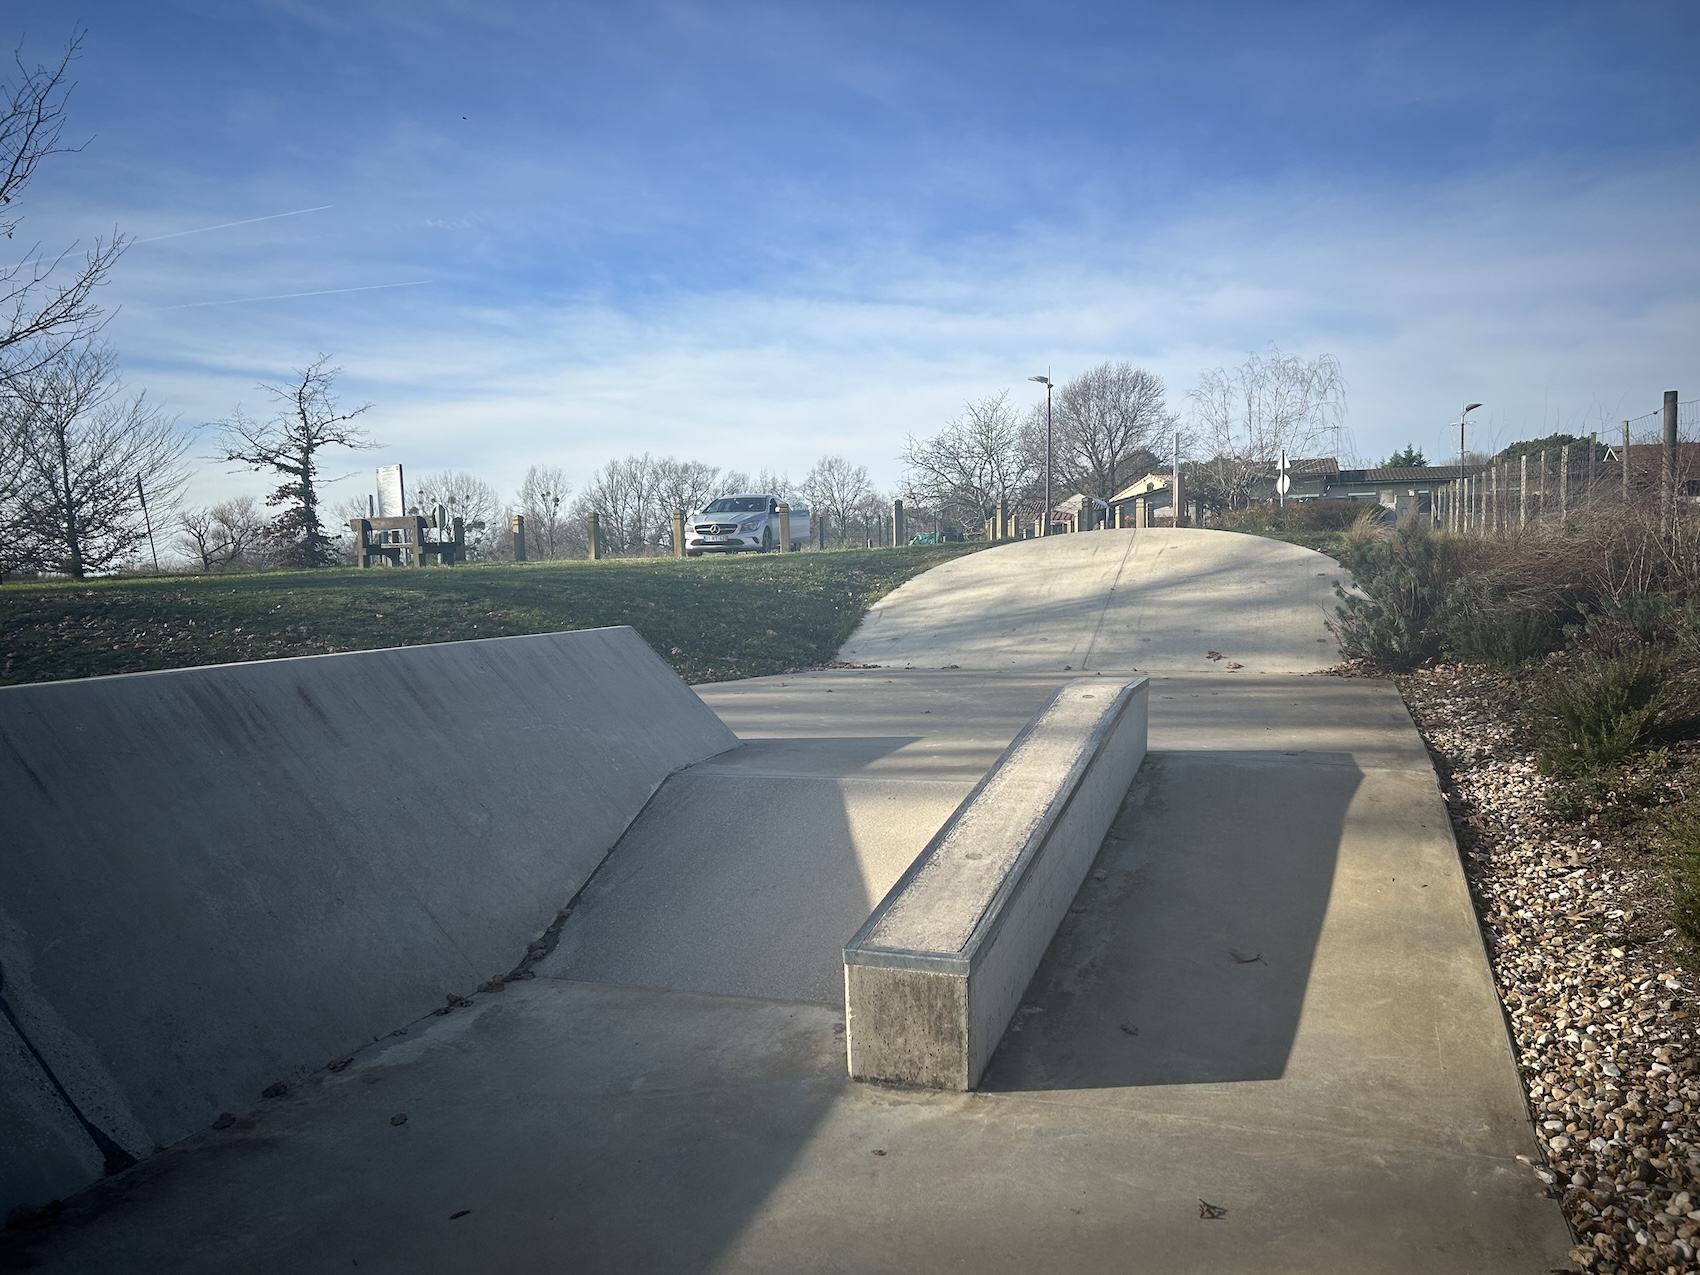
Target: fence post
[678,532]
[517,526]
[1543,482]
[594,524]
[1564,483]
[1593,449]
[1623,459]
[1670,453]
[1523,492]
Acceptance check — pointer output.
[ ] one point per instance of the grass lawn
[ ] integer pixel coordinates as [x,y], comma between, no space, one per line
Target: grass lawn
[712,619]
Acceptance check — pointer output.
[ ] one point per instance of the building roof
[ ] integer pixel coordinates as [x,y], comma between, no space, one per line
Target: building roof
[1144,486]
[1408,474]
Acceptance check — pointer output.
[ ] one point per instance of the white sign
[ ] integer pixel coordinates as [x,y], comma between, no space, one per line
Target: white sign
[390,493]
[1283,484]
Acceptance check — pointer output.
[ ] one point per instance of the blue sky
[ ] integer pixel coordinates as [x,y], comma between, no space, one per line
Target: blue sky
[756,233]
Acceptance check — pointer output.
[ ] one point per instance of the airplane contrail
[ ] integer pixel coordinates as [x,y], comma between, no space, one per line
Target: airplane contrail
[226,225]
[286,296]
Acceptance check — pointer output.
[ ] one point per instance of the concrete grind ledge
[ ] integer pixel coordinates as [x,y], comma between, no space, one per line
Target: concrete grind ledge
[934,976]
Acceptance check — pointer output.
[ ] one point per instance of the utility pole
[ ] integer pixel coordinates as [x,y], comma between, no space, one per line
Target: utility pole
[1623,464]
[1045,380]
[147,522]
[1468,408]
[1177,489]
[1670,454]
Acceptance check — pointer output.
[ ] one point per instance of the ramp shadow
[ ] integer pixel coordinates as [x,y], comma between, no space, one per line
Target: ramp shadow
[1189,961]
[745,874]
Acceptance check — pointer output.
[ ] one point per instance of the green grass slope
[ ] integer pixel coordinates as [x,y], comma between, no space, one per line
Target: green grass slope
[712,619]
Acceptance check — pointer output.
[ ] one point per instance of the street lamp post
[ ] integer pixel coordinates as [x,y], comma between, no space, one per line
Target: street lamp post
[1046,382]
[1459,485]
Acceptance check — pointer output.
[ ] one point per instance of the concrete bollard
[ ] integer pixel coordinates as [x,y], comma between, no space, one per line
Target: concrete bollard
[517,526]
[785,526]
[594,523]
[898,539]
[678,533]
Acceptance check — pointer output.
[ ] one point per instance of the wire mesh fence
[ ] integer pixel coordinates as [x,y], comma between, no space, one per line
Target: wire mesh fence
[1641,465]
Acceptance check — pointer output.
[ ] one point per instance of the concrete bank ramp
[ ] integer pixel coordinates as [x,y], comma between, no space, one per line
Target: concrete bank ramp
[1154,600]
[220,878]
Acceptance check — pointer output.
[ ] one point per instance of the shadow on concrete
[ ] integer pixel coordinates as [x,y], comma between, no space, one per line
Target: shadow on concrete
[745,877]
[1188,962]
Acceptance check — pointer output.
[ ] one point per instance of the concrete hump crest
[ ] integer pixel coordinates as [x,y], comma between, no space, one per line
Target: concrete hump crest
[217,879]
[1155,599]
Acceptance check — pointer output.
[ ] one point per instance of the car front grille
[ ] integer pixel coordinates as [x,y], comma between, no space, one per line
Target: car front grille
[715,528]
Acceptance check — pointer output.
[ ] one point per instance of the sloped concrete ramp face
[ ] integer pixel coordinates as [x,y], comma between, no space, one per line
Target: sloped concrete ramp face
[216,879]
[1153,599]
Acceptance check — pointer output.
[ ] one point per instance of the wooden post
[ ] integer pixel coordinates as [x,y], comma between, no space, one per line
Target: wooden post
[459,526]
[362,530]
[678,533]
[1523,491]
[594,525]
[1543,491]
[1564,483]
[1593,450]
[897,537]
[1623,459]
[785,526]
[1670,454]
[516,525]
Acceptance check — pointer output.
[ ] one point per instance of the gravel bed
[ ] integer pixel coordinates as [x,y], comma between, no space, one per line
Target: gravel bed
[1601,1012]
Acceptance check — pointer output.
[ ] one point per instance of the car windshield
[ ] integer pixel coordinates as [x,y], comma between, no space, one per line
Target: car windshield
[737,505]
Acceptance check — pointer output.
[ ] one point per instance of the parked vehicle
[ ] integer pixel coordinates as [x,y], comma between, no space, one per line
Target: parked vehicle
[743,524]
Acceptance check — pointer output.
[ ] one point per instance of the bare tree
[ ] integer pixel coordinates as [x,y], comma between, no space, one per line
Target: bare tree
[1108,421]
[835,488]
[223,537]
[541,494]
[46,301]
[306,422]
[86,451]
[470,499]
[983,456]
[774,484]
[623,496]
[1248,415]
[684,484]
[733,482]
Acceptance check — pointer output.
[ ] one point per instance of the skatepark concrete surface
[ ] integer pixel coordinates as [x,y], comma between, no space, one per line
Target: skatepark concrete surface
[1156,598]
[1267,1004]
[215,879]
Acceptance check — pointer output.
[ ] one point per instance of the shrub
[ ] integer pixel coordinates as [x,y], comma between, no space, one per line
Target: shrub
[1601,710]
[1403,575]
[1309,515]
[1485,626]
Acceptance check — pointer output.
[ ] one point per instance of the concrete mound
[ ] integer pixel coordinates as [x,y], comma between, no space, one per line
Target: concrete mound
[1152,600]
[219,879]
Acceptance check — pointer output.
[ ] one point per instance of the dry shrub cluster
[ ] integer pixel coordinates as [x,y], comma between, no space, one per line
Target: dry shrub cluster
[1598,622]
[1309,515]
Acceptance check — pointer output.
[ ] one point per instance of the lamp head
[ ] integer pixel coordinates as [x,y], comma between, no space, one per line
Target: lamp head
[1470,407]
[1043,380]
